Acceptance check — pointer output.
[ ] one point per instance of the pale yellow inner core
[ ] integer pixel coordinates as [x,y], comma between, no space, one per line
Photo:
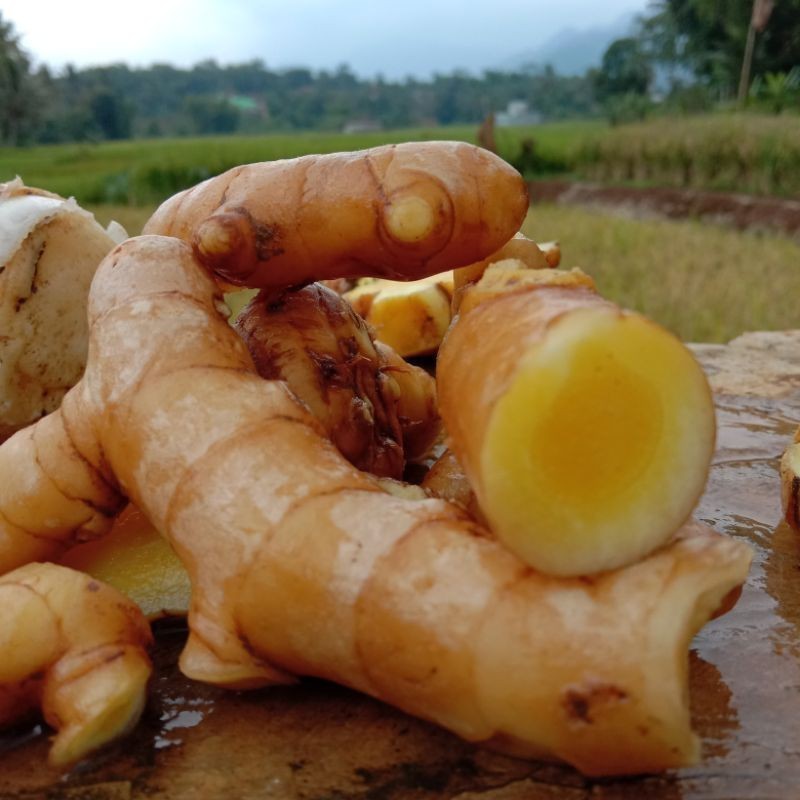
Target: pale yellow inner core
[410,219]
[600,430]
[599,444]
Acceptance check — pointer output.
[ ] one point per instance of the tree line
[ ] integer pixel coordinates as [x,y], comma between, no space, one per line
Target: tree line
[119,102]
[691,55]
[683,54]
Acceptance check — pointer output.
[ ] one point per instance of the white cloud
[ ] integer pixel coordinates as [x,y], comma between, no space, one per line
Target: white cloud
[412,37]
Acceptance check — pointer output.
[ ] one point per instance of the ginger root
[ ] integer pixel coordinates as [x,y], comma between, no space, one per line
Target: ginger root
[586,431]
[75,647]
[416,404]
[302,565]
[446,479]
[49,251]
[398,211]
[321,572]
[311,338]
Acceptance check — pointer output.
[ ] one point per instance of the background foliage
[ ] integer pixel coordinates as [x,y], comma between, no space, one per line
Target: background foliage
[681,56]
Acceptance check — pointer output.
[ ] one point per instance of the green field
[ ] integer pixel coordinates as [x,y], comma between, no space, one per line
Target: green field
[746,153]
[704,282]
[146,171]
[752,153]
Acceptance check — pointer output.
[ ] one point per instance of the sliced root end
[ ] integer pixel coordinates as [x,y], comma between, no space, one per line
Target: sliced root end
[600,448]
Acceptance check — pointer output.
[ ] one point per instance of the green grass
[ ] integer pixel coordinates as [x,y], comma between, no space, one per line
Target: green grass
[147,171]
[705,283]
[752,153]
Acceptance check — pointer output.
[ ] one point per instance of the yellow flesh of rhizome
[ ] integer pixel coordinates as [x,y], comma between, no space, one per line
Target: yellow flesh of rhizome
[138,562]
[599,449]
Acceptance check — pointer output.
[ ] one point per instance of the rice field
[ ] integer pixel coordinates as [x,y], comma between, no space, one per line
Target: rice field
[748,153]
[744,153]
[143,172]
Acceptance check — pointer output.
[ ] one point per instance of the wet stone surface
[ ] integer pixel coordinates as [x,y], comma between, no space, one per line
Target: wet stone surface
[317,741]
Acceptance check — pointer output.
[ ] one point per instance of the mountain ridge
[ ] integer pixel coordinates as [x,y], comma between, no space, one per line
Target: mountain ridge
[573,50]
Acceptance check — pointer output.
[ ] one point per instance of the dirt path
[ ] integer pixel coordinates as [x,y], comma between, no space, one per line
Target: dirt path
[745,212]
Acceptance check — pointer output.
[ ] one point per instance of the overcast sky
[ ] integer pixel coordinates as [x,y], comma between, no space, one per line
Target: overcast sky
[392,37]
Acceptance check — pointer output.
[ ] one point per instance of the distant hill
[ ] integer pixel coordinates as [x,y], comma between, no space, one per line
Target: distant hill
[572,51]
